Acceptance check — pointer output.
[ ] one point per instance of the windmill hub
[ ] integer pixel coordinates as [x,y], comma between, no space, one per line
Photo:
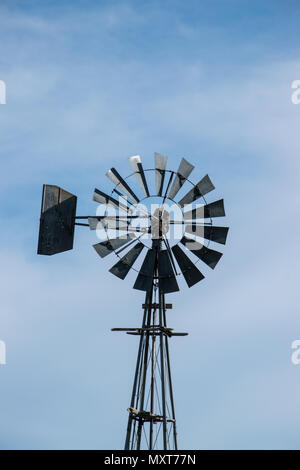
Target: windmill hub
[160,223]
[159,218]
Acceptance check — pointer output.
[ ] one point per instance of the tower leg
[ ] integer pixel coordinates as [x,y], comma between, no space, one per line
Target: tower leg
[162,374]
[136,381]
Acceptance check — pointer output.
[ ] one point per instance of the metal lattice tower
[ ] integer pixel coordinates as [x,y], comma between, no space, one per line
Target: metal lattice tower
[176,236]
[152,412]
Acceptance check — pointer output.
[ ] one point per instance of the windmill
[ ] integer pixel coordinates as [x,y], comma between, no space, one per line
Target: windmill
[163,230]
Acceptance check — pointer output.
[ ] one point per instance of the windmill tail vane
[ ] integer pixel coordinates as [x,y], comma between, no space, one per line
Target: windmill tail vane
[158,224]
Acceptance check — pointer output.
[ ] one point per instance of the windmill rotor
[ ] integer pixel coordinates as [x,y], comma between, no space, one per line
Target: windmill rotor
[130,230]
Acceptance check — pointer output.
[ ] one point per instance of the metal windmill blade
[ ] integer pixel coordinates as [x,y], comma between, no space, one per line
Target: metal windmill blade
[191,273]
[109,246]
[207,211]
[137,167]
[122,267]
[117,179]
[127,231]
[160,167]
[144,281]
[213,233]
[183,172]
[103,198]
[200,189]
[167,279]
[207,255]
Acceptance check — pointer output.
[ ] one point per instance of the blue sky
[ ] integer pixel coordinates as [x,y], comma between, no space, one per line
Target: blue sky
[90,83]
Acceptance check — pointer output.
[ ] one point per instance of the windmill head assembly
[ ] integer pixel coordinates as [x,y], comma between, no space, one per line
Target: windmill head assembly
[159,224]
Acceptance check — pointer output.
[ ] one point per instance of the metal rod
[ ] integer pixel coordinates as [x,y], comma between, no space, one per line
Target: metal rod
[170,253]
[144,378]
[112,217]
[125,198]
[152,380]
[138,394]
[162,372]
[127,246]
[170,181]
[127,441]
[170,377]
[185,222]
